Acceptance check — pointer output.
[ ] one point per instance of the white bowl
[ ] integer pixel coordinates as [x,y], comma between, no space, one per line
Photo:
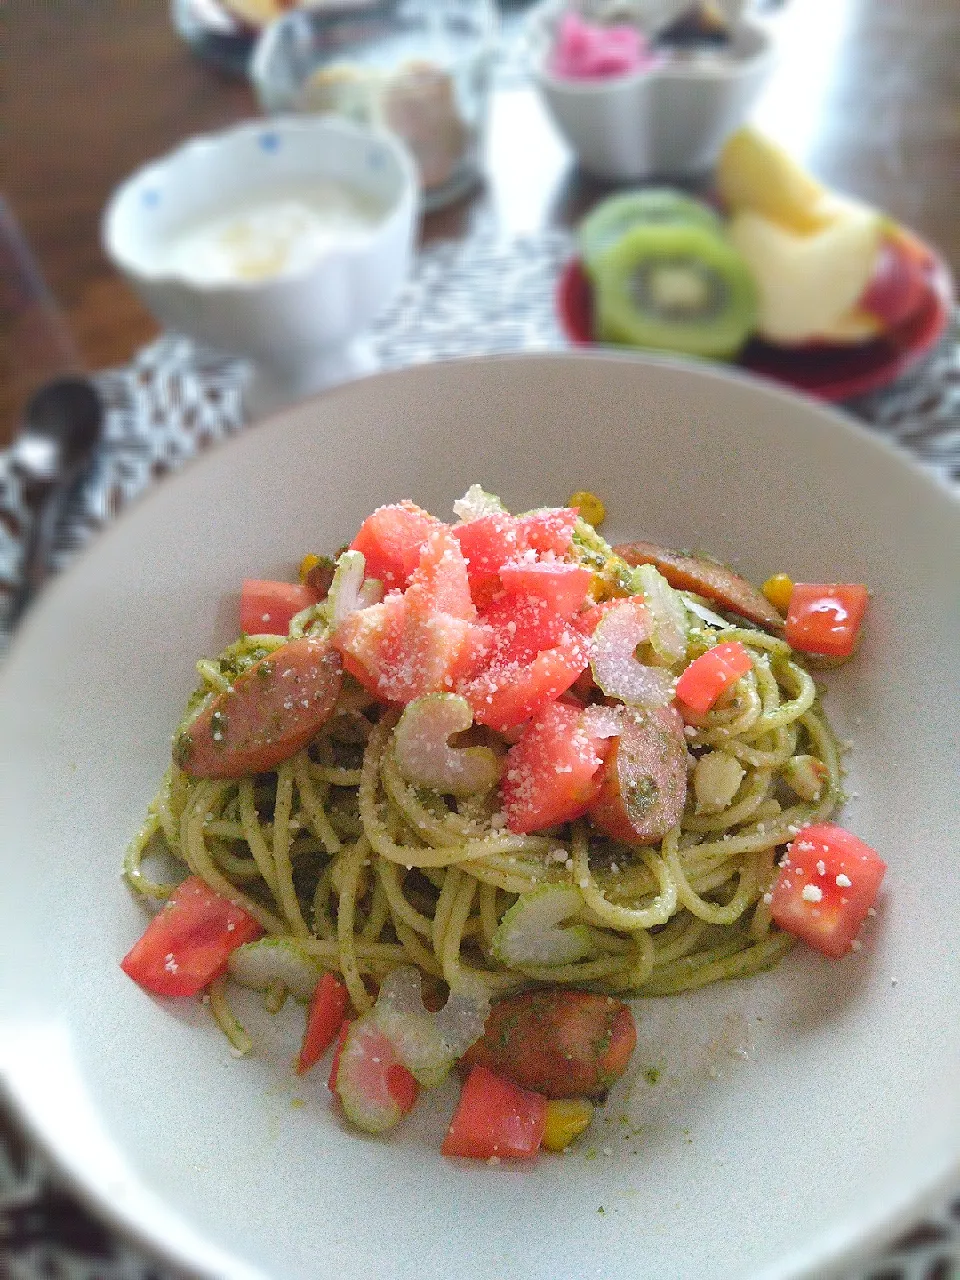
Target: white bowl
[803,1116]
[669,122]
[299,326]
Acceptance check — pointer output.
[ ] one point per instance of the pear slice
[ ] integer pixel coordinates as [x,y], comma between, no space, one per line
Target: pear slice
[754,173]
[806,283]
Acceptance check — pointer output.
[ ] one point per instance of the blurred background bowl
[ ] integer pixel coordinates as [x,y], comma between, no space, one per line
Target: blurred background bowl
[666,122]
[415,68]
[300,321]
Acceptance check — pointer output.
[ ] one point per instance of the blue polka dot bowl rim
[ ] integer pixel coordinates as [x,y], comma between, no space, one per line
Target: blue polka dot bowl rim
[210,173]
[297,295]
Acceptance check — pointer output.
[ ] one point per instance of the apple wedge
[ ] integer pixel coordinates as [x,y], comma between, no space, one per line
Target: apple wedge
[754,173]
[808,283]
[852,328]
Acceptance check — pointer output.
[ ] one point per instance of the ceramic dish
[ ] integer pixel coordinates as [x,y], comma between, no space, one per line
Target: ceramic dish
[832,373]
[801,1117]
[295,304]
[666,122]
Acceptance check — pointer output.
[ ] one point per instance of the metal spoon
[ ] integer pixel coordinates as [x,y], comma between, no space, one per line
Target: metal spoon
[62,426]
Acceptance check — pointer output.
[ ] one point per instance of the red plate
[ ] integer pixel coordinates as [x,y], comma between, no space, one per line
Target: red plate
[828,372]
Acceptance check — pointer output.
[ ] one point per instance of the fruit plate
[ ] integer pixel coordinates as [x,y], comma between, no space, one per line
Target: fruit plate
[832,373]
[800,1117]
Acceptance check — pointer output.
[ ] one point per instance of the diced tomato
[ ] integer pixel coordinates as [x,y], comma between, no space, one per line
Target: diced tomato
[399,656]
[266,607]
[827,884]
[423,641]
[825,618]
[328,1009]
[551,773]
[561,585]
[643,783]
[495,1119]
[487,544]
[485,592]
[189,941]
[522,626]
[509,692]
[588,621]
[391,540]
[440,583]
[710,675]
[548,530]
[271,712]
[562,1043]
[370,642]
[374,1088]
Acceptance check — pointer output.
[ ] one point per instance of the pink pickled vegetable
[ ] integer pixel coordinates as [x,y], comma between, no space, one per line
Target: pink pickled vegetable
[585,51]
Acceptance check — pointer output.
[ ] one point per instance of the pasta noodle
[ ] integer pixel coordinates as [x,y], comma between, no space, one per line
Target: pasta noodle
[336,849]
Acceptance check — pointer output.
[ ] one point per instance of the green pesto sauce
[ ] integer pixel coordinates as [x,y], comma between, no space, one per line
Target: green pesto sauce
[641,797]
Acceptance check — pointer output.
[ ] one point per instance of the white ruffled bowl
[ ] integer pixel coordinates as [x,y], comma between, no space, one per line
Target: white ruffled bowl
[301,326]
[667,122]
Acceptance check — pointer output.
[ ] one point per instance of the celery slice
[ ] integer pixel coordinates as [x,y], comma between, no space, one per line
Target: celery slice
[421,743]
[668,637]
[532,933]
[268,961]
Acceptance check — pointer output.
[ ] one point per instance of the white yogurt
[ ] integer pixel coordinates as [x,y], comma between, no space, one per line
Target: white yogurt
[269,235]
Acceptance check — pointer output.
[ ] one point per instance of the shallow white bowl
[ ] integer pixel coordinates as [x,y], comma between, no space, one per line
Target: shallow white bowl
[802,1117]
[669,122]
[298,327]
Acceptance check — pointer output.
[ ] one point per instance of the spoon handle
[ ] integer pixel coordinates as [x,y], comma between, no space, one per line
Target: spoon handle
[62,430]
[37,550]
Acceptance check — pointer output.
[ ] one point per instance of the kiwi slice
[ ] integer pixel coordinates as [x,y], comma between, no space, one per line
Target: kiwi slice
[674,288]
[604,226]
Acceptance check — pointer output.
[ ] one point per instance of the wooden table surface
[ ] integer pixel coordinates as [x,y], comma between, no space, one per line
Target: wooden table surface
[867,94]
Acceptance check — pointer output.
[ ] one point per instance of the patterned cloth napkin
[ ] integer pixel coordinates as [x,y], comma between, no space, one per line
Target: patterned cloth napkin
[465,298]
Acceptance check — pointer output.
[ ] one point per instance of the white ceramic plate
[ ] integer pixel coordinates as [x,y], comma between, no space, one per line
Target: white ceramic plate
[802,1117]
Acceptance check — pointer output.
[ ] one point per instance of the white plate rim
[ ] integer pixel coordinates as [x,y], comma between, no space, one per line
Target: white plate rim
[829,1255]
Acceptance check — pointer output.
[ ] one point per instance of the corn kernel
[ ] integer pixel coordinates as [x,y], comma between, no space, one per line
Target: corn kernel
[566,1119]
[778,591]
[590,507]
[309,561]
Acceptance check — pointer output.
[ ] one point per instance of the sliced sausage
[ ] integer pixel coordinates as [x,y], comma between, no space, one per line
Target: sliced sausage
[558,1042]
[272,711]
[644,781]
[706,578]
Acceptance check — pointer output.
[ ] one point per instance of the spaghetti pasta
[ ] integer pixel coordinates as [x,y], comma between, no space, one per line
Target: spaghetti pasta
[337,849]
